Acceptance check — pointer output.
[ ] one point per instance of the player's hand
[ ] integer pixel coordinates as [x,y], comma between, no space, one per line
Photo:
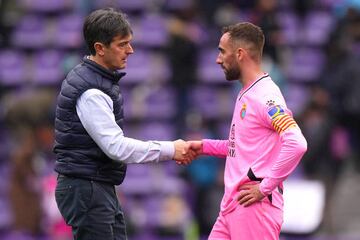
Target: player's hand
[193,149]
[249,194]
[197,147]
[183,153]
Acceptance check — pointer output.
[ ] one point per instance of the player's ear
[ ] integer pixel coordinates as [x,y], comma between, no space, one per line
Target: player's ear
[99,48]
[240,52]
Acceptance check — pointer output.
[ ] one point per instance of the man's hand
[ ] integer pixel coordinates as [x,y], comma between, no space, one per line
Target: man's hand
[249,194]
[196,146]
[183,153]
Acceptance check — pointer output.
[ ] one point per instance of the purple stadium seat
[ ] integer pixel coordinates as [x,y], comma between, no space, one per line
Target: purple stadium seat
[138,67]
[150,130]
[133,5]
[296,97]
[47,67]
[289,24]
[318,26]
[161,104]
[170,168]
[178,4]
[145,66]
[19,235]
[160,67]
[223,129]
[153,130]
[151,31]
[156,131]
[46,5]
[138,171]
[152,208]
[154,103]
[13,68]
[31,32]
[305,64]
[172,185]
[138,180]
[145,236]
[68,31]
[125,5]
[209,71]
[213,103]
[204,99]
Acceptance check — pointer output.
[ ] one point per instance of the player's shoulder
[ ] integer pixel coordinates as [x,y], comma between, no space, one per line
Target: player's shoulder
[268,85]
[268,93]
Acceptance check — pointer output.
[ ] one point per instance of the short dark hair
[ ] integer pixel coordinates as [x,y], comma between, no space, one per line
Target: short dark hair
[103,25]
[247,33]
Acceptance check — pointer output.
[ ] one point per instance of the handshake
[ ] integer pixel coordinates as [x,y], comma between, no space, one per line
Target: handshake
[185,152]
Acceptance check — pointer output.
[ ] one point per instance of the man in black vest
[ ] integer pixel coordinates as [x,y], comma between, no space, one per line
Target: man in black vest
[91,149]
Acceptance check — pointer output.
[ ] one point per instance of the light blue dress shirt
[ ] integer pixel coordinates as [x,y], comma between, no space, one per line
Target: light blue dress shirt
[95,110]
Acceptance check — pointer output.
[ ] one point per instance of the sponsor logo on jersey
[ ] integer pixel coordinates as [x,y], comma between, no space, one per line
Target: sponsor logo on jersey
[231,148]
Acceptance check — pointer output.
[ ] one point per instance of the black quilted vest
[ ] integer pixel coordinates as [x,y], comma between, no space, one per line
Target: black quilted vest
[77,154]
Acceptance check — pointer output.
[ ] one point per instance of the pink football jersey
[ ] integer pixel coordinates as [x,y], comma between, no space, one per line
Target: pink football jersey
[265,144]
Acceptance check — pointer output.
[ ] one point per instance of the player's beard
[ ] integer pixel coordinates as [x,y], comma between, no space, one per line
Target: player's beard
[232,73]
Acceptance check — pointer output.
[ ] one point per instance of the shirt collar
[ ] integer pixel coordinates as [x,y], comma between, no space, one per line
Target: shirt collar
[112,75]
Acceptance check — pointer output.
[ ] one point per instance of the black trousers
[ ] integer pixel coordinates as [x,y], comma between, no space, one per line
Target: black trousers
[90,208]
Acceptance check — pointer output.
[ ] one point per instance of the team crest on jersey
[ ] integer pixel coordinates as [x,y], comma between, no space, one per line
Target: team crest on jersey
[243,111]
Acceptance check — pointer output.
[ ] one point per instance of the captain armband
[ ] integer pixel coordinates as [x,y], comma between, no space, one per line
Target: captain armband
[280,120]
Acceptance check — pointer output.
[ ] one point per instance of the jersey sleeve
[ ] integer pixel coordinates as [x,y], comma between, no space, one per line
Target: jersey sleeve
[216,148]
[275,114]
[278,117]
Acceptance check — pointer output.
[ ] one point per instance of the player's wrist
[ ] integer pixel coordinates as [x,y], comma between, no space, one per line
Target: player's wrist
[262,191]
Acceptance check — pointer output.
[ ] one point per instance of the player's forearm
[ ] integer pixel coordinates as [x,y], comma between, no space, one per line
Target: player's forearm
[293,148]
[216,148]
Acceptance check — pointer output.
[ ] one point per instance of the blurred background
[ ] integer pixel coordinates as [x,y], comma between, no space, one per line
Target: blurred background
[174,89]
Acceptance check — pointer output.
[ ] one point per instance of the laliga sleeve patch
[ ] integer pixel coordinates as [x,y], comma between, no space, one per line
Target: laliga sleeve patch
[281,121]
[275,111]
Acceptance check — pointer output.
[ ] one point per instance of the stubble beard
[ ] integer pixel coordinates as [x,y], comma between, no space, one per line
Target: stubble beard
[232,74]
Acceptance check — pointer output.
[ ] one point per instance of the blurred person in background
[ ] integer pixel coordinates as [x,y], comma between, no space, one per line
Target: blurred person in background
[341,76]
[29,116]
[265,17]
[331,125]
[335,102]
[91,149]
[4,28]
[182,53]
[265,143]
